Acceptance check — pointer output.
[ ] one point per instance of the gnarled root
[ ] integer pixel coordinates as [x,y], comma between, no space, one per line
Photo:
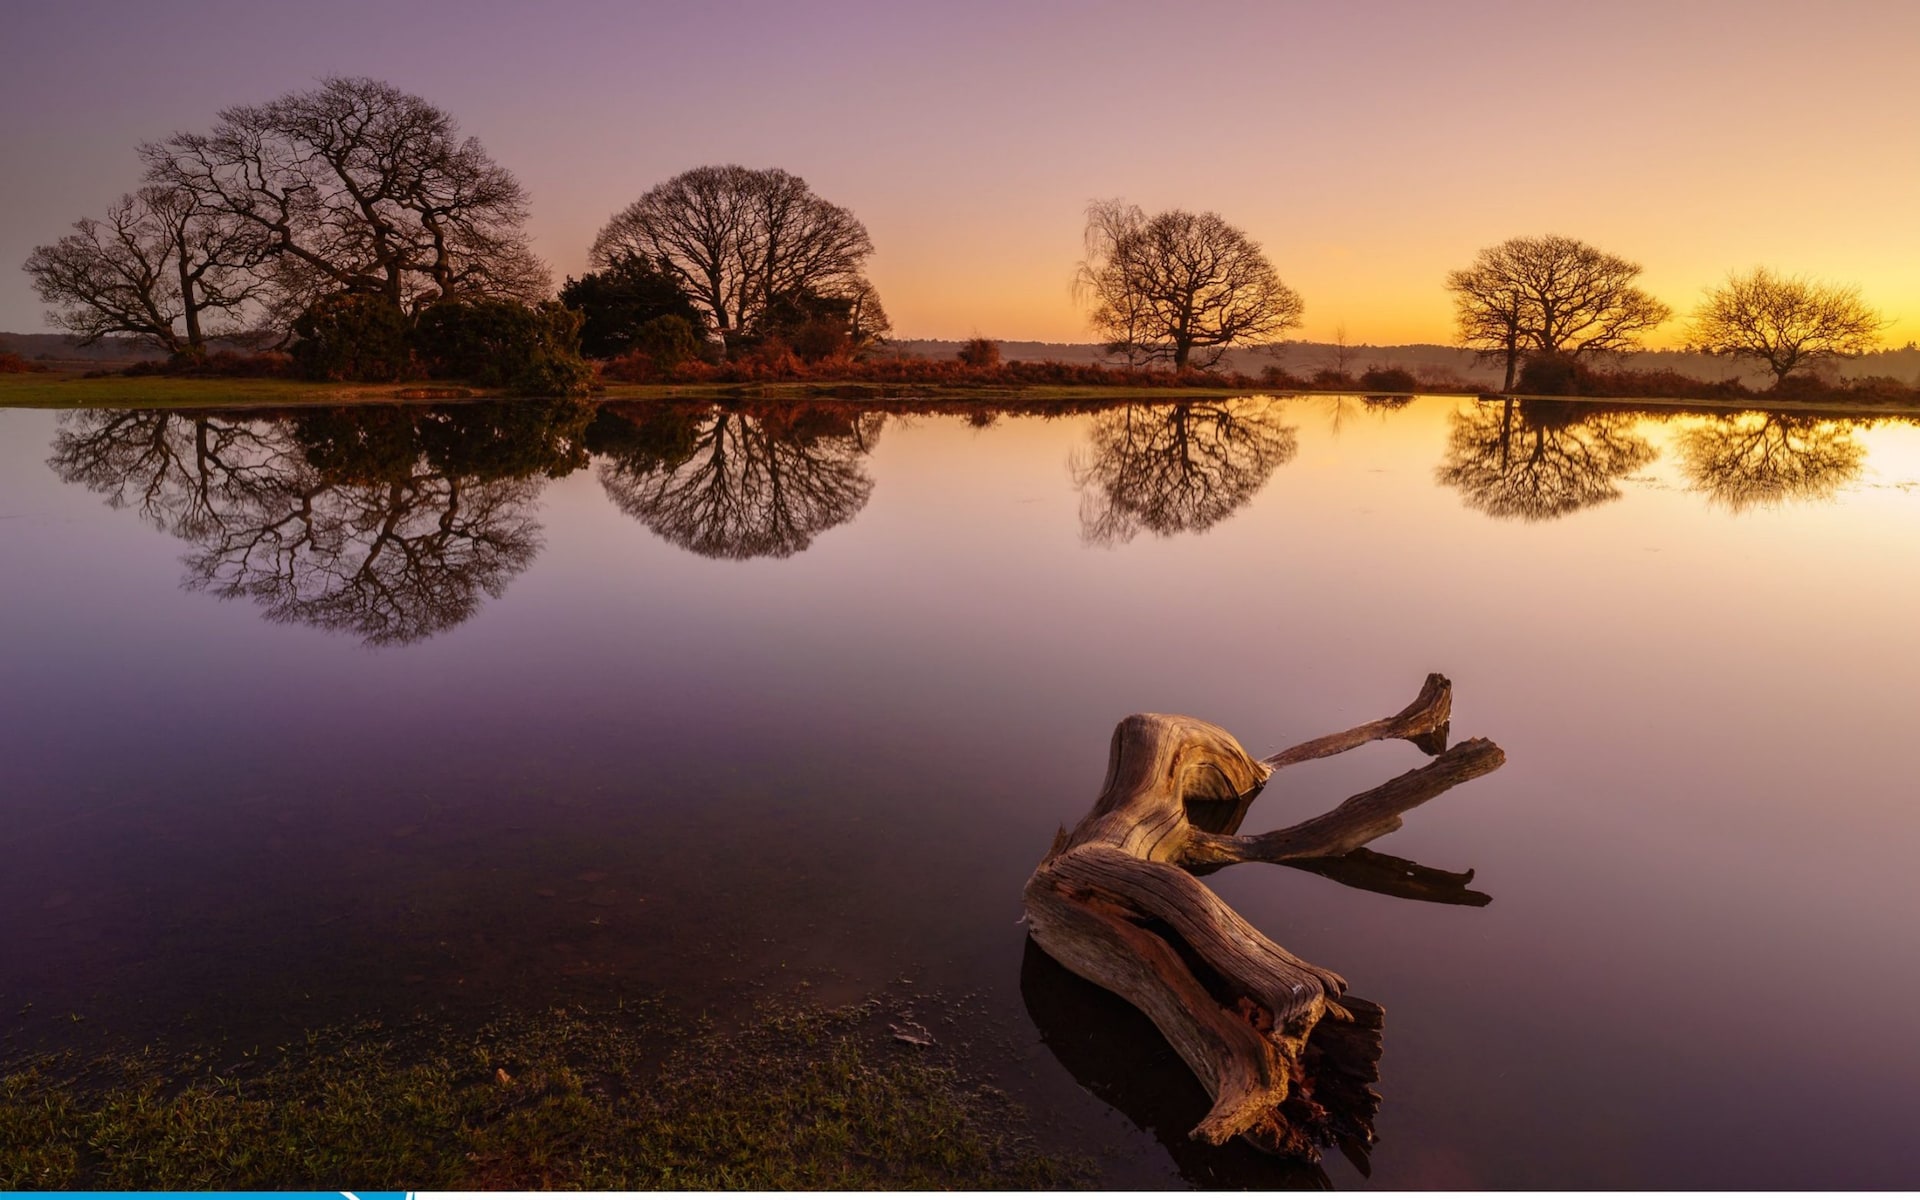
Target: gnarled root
[1286,1055]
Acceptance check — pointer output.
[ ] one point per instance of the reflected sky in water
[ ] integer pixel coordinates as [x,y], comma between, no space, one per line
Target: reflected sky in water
[472,706]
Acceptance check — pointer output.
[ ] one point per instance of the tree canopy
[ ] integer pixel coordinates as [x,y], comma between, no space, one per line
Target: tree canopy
[356,186]
[1179,287]
[739,242]
[1785,322]
[159,268]
[1550,295]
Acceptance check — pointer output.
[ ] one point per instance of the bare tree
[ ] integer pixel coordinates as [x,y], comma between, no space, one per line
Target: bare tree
[738,239]
[1550,295]
[357,186]
[1784,322]
[1342,353]
[1168,287]
[158,268]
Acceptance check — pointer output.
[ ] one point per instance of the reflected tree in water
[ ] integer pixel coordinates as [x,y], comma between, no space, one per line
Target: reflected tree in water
[388,523]
[1770,458]
[183,472]
[1537,460]
[1174,468]
[738,483]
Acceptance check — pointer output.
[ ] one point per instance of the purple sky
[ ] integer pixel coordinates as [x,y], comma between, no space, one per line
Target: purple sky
[1369,146]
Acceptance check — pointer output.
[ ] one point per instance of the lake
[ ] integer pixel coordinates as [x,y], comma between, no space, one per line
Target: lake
[326,713]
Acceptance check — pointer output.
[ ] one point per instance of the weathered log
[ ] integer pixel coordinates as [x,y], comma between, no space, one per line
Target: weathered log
[1115,901]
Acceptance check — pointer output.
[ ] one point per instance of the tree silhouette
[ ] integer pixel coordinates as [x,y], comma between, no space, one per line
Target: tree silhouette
[356,186]
[737,241]
[1538,460]
[160,268]
[1179,287]
[739,483]
[387,523]
[1784,322]
[1769,458]
[1542,296]
[1174,468]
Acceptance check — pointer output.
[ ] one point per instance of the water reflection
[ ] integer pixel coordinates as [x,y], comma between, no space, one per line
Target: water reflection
[1176,468]
[1114,1052]
[1537,460]
[387,523]
[1769,458]
[393,523]
[738,483]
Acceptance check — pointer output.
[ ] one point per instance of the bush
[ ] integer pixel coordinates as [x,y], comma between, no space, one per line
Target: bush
[1552,375]
[1388,379]
[619,304]
[1332,381]
[503,343]
[979,353]
[661,347]
[221,364]
[13,364]
[352,337]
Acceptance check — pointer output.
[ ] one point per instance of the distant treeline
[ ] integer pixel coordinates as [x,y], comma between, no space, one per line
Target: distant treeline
[351,233]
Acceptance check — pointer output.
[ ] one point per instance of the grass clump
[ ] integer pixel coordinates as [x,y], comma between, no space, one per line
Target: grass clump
[566,1099]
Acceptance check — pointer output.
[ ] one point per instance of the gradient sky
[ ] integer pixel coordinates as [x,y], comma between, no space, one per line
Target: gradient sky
[1370,147]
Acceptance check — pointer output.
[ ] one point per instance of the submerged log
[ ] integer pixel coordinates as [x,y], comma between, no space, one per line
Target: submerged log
[1271,1037]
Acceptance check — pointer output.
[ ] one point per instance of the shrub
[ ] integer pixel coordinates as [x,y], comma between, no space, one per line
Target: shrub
[13,364]
[352,337]
[1552,375]
[1277,376]
[1879,389]
[662,349]
[979,353]
[221,364]
[1332,381]
[503,343]
[1388,379]
[620,302]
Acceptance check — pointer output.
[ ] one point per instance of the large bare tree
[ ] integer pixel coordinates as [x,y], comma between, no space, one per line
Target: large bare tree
[160,268]
[357,186]
[738,240]
[1785,322]
[1179,287]
[1550,295]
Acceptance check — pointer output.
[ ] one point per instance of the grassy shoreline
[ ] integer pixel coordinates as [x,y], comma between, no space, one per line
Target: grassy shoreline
[73,392]
[619,1099]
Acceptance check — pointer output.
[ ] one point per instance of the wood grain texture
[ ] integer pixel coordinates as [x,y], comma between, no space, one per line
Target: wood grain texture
[1116,901]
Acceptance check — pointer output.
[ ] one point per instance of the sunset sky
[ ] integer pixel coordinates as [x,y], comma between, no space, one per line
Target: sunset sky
[1370,147]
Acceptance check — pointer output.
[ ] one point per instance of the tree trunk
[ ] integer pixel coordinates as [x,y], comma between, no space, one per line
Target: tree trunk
[1116,902]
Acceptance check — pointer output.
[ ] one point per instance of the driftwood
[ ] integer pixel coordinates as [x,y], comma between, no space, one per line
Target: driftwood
[1285,1053]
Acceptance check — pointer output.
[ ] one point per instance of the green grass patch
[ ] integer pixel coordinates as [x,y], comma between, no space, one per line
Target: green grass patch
[621,1100]
[78,391]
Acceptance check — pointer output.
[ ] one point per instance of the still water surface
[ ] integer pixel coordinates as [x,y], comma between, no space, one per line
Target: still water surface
[333,713]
